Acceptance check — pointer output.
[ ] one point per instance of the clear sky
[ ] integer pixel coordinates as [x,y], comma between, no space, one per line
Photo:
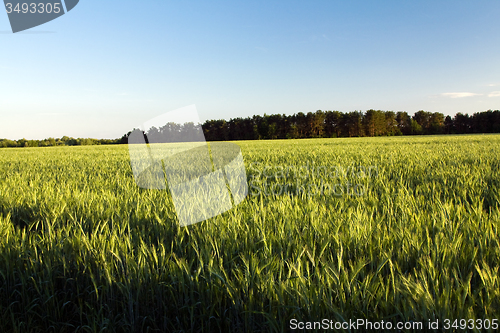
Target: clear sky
[108,66]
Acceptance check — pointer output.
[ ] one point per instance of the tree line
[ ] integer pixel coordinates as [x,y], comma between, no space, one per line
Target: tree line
[64,141]
[330,124]
[319,124]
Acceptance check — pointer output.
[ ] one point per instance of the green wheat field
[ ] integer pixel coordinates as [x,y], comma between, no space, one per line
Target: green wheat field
[394,229]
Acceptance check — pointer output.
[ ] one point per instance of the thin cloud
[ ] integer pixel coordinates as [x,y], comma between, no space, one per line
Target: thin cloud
[494,94]
[459,94]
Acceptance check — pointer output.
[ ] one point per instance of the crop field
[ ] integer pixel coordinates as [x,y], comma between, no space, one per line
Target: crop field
[400,229]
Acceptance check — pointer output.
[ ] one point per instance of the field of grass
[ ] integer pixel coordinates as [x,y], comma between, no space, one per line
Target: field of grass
[394,229]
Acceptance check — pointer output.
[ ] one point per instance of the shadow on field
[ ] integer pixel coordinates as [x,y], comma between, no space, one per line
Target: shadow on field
[128,275]
[23,216]
[491,199]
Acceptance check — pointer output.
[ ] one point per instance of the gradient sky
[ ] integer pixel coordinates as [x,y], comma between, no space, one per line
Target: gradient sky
[108,66]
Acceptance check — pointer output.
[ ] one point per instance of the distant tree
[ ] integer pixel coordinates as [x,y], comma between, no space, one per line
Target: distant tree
[403,121]
[154,134]
[485,122]
[301,126]
[275,129]
[190,132]
[391,125]
[236,130]
[124,139]
[209,130]
[436,123]
[416,128]
[448,125]
[316,123]
[495,121]
[261,127]
[333,121]
[462,123]
[374,123]
[294,131]
[423,118]
[353,124]
[4,143]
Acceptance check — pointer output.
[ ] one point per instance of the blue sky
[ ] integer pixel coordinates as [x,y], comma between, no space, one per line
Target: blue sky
[108,66]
